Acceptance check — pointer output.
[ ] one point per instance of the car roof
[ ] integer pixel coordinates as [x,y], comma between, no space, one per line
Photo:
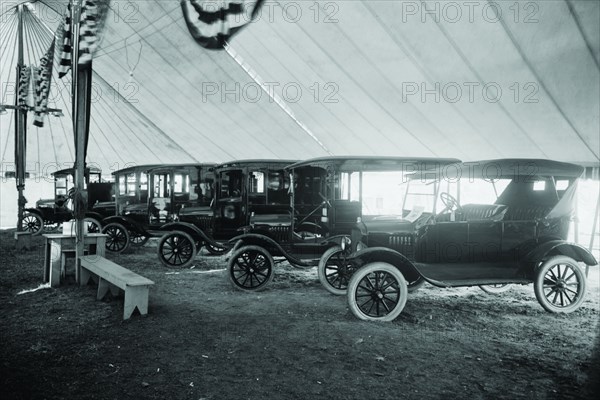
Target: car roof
[149,167]
[374,163]
[520,167]
[71,171]
[248,162]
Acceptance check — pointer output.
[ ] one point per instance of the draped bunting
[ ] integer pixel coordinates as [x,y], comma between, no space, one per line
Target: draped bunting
[42,77]
[91,22]
[212,23]
[24,74]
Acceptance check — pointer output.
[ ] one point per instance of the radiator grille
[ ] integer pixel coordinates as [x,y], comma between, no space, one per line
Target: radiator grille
[280,233]
[403,243]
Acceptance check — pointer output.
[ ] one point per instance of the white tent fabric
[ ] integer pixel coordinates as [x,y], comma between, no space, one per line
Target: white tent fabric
[471,80]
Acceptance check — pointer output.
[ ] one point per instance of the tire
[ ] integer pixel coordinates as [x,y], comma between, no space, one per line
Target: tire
[51,227]
[334,271]
[559,285]
[250,268]
[93,225]
[372,282]
[32,223]
[118,237]
[496,289]
[415,285]
[176,250]
[137,239]
[214,250]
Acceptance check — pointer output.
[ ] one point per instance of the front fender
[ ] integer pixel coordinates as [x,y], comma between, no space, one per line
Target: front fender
[256,239]
[384,254]
[560,247]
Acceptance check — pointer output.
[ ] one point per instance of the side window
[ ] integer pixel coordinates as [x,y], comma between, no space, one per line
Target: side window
[130,184]
[257,183]
[349,186]
[230,184]
[181,183]
[278,183]
[122,185]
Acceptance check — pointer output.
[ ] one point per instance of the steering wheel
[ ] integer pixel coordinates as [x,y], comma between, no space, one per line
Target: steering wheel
[325,200]
[449,201]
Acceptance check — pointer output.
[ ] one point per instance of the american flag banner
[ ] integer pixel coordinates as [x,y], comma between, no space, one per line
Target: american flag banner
[91,22]
[24,74]
[213,22]
[42,77]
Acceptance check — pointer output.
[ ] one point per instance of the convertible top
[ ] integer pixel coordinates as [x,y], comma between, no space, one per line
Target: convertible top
[510,168]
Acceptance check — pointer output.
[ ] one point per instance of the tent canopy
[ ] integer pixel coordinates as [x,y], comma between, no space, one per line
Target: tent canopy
[472,80]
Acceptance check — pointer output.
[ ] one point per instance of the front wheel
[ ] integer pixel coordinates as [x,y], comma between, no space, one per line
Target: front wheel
[176,250]
[559,285]
[118,237]
[377,292]
[495,289]
[250,268]
[334,270]
[32,223]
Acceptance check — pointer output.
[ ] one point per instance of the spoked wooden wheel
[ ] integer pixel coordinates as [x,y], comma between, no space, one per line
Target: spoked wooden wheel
[118,237]
[51,227]
[176,250]
[559,285]
[215,250]
[93,225]
[250,268]
[495,289]
[32,223]
[377,292]
[334,270]
[137,239]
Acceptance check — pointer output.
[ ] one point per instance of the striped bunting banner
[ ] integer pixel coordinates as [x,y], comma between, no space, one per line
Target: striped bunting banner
[91,22]
[24,74]
[213,22]
[42,77]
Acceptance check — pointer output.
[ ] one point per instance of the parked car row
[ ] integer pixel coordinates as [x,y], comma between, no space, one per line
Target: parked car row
[377,228]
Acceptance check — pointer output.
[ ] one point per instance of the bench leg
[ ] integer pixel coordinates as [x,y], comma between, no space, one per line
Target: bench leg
[135,296]
[104,286]
[84,278]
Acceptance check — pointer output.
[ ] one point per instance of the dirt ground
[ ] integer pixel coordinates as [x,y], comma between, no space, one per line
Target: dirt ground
[203,339]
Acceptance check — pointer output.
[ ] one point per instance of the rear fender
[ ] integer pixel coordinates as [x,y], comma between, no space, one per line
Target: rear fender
[384,254]
[560,247]
[128,223]
[196,233]
[33,211]
[94,215]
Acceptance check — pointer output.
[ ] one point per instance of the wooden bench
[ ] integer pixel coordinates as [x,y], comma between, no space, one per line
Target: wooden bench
[113,277]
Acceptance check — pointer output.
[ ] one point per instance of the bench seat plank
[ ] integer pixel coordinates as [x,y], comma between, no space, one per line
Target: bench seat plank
[113,277]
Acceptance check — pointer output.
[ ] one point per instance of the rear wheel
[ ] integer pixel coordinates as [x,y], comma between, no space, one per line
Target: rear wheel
[215,250]
[559,285]
[32,223]
[495,289]
[138,239]
[334,270]
[93,225]
[377,292]
[250,268]
[118,237]
[176,250]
